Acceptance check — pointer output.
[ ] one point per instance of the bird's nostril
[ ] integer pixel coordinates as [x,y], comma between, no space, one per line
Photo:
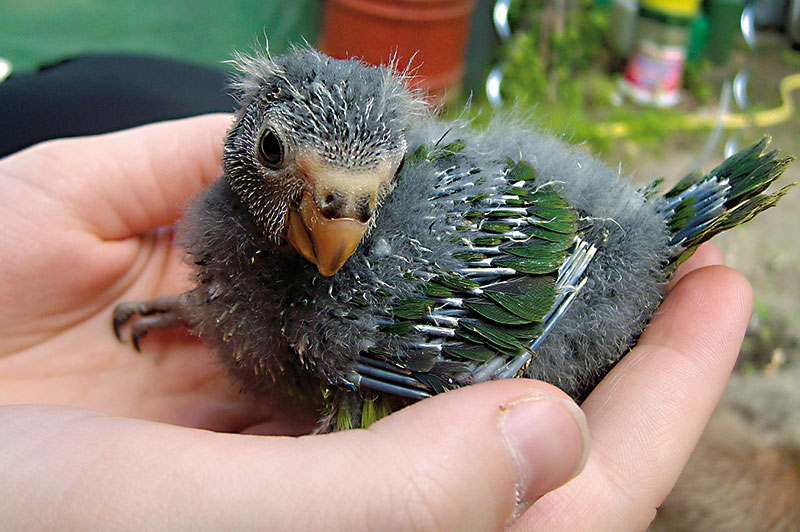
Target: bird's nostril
[333,205]
[364,209]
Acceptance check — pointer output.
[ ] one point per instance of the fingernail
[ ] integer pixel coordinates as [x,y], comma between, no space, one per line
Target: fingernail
[548,440]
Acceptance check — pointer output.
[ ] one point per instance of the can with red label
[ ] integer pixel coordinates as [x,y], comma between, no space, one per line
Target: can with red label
[654,72]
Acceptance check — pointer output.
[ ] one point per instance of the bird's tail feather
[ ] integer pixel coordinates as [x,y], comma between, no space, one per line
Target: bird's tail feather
[702,206]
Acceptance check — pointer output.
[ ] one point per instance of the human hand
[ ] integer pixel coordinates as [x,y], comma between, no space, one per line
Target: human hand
[81,219]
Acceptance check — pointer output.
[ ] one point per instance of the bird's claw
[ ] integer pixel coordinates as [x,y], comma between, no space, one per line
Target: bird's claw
[123,313]
[160,313]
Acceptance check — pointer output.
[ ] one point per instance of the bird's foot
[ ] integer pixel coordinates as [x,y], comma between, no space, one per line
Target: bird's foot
[160,313]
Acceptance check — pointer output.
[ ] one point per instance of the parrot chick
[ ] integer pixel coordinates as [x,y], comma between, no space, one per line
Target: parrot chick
[361,253]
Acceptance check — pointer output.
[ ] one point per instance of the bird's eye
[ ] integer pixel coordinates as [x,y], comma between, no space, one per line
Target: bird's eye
[270,149]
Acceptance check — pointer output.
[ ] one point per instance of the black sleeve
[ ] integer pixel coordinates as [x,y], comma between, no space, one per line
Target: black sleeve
[97,94]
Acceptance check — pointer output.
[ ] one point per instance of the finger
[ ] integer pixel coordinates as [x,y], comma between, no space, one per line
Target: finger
[455,462]
[707,254]
[648,413]
[129,182]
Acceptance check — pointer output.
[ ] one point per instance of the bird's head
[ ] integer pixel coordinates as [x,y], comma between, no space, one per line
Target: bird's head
[316,147]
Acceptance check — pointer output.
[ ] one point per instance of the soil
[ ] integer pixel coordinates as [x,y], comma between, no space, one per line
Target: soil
[766,249]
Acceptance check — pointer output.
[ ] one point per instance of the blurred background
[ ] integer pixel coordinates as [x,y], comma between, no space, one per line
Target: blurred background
[656,87]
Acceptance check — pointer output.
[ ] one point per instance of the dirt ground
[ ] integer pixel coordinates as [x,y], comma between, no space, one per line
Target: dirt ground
[766,249]
[765,388]
[759,415]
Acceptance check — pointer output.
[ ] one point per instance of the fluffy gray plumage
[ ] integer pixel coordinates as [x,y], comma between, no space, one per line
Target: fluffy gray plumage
[348,115]
[275,320]
[279,300]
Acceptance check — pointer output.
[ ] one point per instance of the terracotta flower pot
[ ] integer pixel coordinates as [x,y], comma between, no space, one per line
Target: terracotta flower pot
[430,34]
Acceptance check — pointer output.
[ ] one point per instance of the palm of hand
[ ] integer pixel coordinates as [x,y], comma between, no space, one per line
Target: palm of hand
[81,240]
[82,221]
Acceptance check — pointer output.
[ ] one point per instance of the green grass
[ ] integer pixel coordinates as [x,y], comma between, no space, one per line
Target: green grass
[39,32]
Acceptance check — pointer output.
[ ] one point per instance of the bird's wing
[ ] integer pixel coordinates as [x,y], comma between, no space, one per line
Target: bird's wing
[519,262]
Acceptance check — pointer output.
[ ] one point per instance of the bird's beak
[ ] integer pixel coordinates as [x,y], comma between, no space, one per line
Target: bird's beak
[326,242]
[334,212]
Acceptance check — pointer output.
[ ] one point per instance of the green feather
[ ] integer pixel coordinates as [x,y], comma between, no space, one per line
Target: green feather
[503,214]
[412,308]
[399,328]
[478,353]
[682,185]
[554,213]
[434,289]
[469,256]
[542,251]
[532,266]
[496,336]
[374,409]
[520,171]
[749,173]
[496,313]
[344,419]
[567,228]
[530,308]
[496,227]
[547,234]
[457,283]
[488,240]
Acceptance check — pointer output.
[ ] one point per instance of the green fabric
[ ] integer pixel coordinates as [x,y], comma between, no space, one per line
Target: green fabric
[35,33]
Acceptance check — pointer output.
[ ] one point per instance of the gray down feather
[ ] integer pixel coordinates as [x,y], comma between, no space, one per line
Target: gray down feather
[259,298]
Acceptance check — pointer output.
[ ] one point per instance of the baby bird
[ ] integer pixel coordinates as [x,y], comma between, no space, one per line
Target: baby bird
[362,254]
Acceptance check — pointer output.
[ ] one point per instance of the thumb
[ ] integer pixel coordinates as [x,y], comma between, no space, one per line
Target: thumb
[471,459]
